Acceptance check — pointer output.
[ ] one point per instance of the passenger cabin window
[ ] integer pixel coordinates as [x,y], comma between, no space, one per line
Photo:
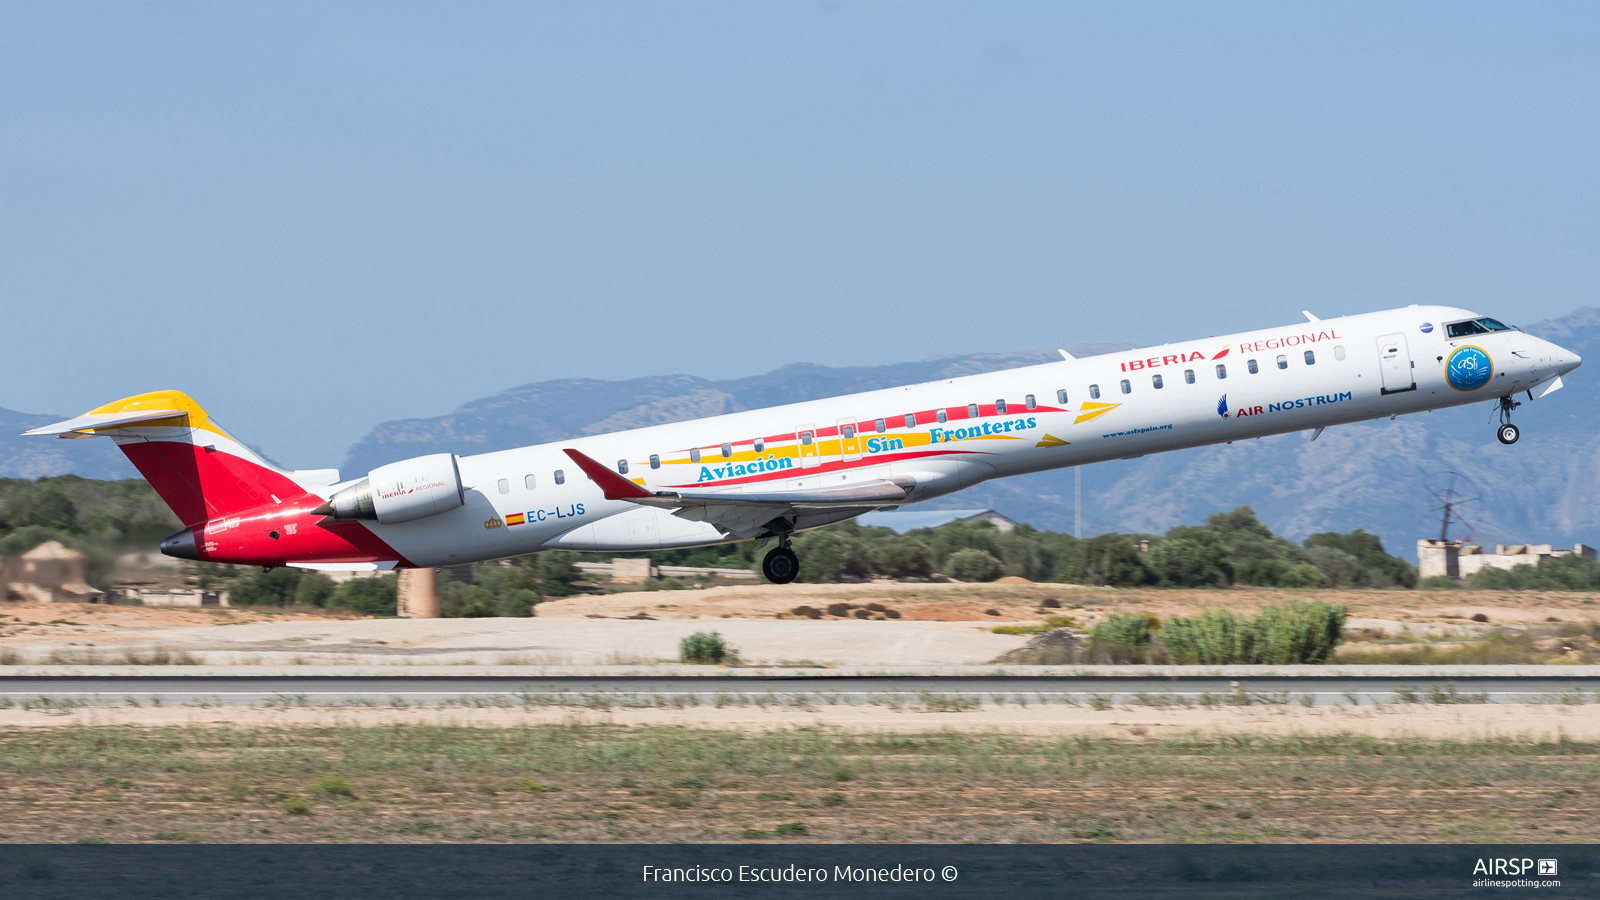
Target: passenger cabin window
[1126,387]
[942,417]
[911,420]
[1311,358]
[972,410]
[1000,407]
[727,450]
[694,454]
[1283,361]
[622,466]
[805,438]
[561,477]
[1156,381]
[1462,329]
[761,445]
[1338,352]
[527,482]
[1188,376]
[879,426]
[655,461]
[1094,392]
[1222,371]
[1251,366]
[1061,397]
[1031,403]
[505,486]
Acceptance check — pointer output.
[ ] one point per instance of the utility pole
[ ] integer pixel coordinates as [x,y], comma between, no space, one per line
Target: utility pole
[1077,502]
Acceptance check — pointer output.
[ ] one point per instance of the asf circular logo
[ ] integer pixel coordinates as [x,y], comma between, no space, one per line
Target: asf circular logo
[1468,368]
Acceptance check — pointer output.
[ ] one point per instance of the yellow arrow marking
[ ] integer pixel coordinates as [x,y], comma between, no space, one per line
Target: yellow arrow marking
[1091,411]
[1051,440]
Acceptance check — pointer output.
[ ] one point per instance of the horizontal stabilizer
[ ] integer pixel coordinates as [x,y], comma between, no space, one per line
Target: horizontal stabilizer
[385,566]
[95,421]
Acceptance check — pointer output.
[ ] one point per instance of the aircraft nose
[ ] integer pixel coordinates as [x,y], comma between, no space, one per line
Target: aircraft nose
[1565,360]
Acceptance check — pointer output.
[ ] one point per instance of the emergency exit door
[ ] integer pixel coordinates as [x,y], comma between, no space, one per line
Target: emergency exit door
[1394,356]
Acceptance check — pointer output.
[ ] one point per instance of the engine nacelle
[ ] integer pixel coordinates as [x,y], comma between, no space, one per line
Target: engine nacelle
[402,491]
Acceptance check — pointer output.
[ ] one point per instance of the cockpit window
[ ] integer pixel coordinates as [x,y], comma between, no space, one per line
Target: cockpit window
[1476,326]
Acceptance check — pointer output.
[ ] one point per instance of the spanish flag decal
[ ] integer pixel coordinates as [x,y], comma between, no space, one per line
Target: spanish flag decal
[517,519]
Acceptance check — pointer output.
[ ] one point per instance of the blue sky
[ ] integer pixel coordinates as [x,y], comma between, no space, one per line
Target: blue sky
[314,217]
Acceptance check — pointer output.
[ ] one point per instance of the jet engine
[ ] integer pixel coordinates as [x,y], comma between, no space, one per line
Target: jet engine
[402,491]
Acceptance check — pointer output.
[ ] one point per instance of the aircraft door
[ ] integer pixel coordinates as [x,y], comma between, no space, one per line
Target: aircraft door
[1394,356]
[849,440]
[805,438]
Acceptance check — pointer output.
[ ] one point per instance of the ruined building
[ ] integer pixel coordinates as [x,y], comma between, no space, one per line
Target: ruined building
[1452,559]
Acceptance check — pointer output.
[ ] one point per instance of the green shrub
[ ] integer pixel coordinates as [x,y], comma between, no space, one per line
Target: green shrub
[901,557]
[283,586]
[1287,634]
[1375,568]
[706,648]
[1190,557]
[1553,573]
[828,555]
[371,596]
[1122,638]
[333,786]
[294,806]
[972,565]
[1304,575]
[1109,559]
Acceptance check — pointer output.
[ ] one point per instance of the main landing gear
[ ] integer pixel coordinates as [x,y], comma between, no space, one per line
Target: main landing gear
[1507,432]
[781,565]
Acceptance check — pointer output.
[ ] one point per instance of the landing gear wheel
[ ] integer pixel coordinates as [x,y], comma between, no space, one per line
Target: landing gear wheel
[1508,433]
[781,565]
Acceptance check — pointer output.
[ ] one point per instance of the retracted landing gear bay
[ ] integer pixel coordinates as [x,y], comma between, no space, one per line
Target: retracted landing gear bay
[1507,432]
[781,565]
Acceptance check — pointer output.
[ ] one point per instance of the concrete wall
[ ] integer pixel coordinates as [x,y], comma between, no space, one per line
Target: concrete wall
[178,598]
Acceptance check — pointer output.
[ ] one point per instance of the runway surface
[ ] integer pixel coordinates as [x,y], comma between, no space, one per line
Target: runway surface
[435,690]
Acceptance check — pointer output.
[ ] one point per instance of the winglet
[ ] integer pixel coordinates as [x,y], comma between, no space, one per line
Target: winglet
[1309,316]
[615,486]
[1065,355]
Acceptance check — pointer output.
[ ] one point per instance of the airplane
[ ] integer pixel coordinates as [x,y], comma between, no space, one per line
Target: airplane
[770,473]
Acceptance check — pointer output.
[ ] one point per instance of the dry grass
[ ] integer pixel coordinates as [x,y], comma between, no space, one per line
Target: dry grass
[607,783]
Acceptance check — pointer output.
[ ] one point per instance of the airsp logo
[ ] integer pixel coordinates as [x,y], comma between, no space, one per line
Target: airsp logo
[1502,866]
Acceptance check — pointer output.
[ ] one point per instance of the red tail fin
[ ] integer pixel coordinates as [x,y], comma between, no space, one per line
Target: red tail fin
[199,469]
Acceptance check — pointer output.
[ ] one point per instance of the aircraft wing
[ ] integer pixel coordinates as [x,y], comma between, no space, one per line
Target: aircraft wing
[747,514]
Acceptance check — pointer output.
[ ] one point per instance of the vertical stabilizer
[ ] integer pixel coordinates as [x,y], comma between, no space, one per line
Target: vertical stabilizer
[198,468]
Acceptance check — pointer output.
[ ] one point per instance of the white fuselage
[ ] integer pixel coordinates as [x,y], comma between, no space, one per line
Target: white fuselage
[1117,406]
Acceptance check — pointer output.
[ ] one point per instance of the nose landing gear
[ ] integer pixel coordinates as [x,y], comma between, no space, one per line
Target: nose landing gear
[781,565]
[1507,432]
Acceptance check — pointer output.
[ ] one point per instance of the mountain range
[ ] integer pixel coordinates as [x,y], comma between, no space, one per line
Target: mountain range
[1371,475]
